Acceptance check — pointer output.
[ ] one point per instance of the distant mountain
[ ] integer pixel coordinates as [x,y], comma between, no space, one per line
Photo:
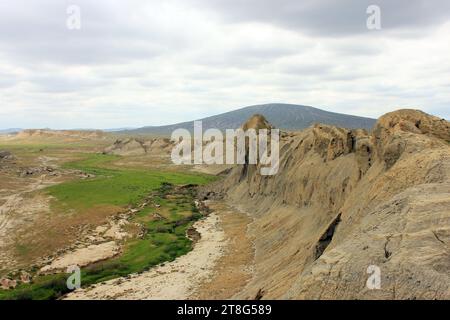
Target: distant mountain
[118,129]
[282,116]
[10,130]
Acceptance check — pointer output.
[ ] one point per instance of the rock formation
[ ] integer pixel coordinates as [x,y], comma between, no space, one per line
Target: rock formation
[135,146]
[256,122]
[6,155]
[347,201]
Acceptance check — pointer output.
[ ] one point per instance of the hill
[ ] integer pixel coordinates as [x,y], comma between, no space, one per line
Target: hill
[10,130]
[283,116]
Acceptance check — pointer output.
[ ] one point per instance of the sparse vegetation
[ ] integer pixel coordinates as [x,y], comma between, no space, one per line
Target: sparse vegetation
[164,237]
[165,221]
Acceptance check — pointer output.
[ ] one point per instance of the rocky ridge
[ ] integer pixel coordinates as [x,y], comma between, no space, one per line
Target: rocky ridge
[345,201]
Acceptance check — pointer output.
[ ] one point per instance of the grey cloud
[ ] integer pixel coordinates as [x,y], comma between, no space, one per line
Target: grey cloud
[330,18]
[37,33]
[245,57]
[398,91]
[307,69]
[323,72]
[358,47]
[160,61]
[65,84]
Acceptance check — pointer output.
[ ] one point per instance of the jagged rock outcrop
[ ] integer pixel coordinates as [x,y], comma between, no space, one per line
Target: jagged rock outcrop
[344,200]
[129,146]
[135,146]
[256,122]
[6,155]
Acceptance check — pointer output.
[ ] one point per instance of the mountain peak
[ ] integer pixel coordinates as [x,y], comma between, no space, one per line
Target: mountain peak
[283,116]
[257,122]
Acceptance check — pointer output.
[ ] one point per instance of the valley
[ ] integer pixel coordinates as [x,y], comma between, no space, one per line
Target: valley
[216,157]
[345,202]
[114,220]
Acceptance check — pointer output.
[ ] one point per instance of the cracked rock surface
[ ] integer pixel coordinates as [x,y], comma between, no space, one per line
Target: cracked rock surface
[389,189]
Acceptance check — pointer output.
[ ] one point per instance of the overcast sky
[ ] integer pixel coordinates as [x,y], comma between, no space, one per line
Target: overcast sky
[136,63]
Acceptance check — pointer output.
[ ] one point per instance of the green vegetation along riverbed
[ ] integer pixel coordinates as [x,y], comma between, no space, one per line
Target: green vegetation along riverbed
[169,214]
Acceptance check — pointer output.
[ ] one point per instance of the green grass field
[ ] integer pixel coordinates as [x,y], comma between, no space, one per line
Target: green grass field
[114,186]
[164,238]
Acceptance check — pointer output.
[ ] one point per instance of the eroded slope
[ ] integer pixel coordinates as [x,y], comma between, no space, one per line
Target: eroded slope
[346,199]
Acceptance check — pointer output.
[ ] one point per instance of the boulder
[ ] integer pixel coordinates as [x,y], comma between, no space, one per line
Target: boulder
[7,284]
[6,155]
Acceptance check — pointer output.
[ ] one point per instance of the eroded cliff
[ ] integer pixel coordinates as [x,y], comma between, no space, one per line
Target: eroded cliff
[344,200]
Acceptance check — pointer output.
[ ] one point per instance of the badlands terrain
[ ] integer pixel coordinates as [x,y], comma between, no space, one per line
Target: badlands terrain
[344,199]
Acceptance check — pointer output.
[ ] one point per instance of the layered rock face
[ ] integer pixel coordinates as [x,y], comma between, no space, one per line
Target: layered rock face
[133,146]
[347,202]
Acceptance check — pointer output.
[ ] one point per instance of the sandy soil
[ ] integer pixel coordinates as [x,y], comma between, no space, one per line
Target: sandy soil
[98,245]
[15,202]
[175,280]
[14,198]
[235,268]
[20,207]
[84,256]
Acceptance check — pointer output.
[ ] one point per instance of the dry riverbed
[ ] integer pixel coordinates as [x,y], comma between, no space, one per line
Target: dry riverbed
[173,280]
[217,268]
